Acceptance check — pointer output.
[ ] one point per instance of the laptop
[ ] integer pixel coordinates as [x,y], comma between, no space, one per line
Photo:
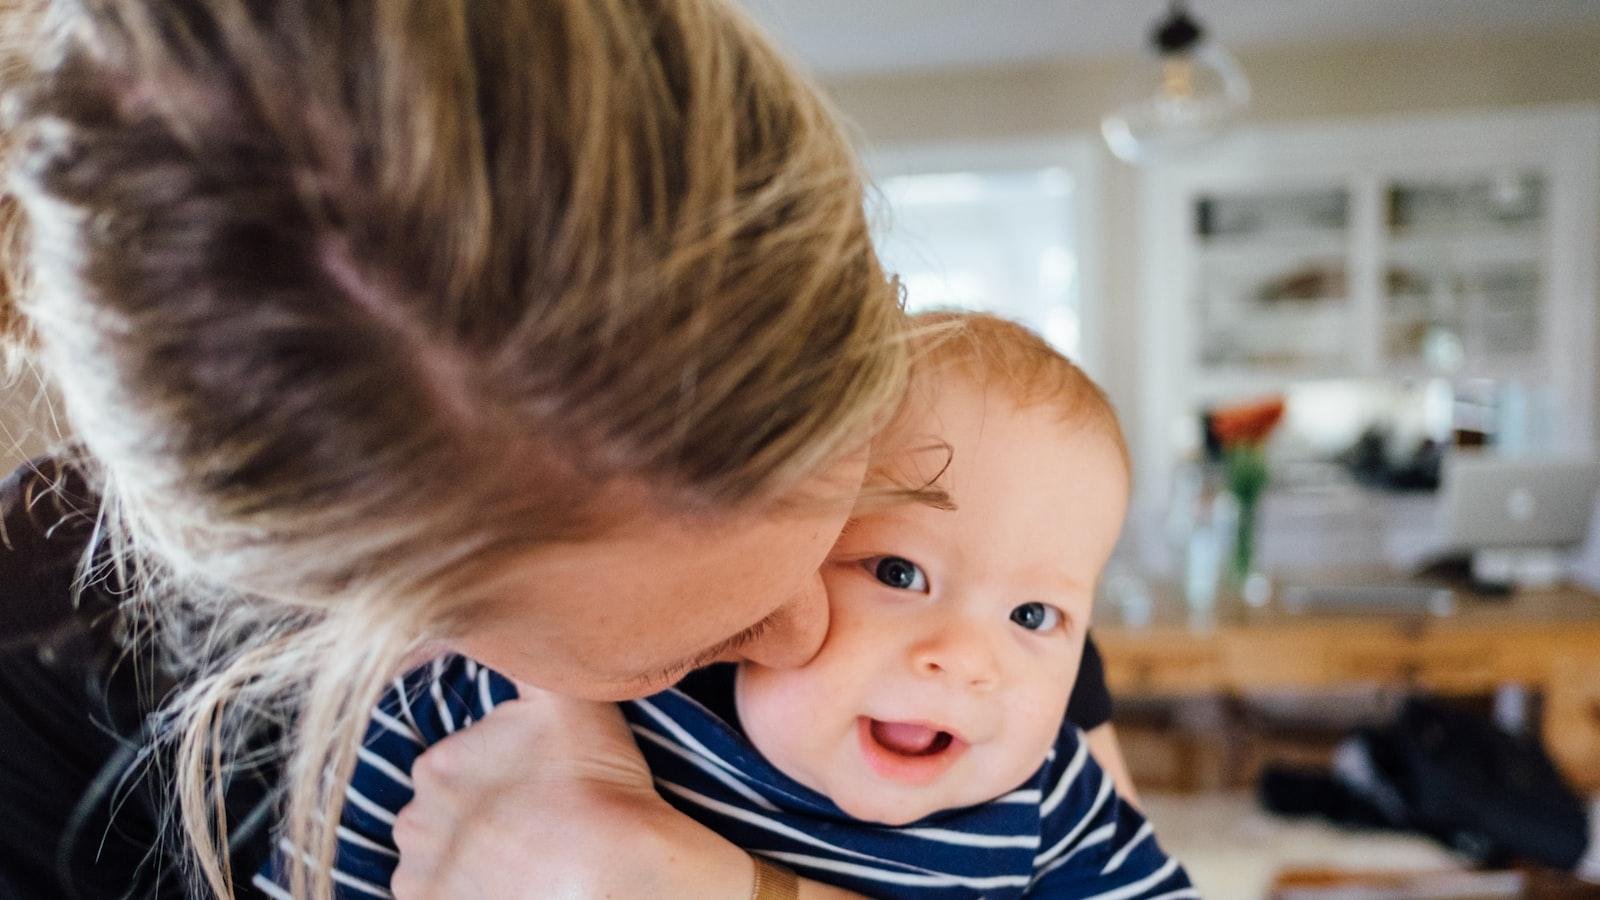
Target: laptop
[1489,502]
[1500,519]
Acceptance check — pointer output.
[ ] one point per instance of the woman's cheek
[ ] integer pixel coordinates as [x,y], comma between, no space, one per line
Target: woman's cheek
[836,583]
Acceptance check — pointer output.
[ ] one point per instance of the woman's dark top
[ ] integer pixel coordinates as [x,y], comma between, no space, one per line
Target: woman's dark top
[81,804]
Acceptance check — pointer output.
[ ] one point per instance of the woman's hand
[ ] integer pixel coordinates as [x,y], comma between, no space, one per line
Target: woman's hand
[549,797]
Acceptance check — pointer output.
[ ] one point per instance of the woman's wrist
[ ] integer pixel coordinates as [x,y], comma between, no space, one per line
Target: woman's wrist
[692,860]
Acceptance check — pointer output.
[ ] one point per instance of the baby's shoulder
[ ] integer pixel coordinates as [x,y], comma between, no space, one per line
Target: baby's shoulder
[1070,777]
[440,697]
[1069,755]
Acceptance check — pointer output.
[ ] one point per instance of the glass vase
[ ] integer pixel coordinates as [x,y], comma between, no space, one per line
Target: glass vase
[1247,478]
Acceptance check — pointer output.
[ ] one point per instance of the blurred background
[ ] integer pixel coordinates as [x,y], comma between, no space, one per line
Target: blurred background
[1334,261]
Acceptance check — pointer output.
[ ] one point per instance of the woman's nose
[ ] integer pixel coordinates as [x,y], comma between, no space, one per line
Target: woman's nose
[796,632]
[959,652]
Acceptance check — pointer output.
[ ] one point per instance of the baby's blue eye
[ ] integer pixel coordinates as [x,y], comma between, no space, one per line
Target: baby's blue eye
[1036,616]
[901,574]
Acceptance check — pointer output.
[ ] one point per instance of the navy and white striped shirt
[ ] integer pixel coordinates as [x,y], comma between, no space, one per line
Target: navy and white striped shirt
[1063,833]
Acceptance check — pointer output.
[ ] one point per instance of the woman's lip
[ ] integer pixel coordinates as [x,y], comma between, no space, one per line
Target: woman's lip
[914,770]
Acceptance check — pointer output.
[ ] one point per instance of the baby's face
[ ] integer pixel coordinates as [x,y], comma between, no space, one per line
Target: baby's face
[955,635]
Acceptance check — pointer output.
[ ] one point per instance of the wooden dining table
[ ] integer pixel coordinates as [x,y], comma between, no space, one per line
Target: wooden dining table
[1544,640]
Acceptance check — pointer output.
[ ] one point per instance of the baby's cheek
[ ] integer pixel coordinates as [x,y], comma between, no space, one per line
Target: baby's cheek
[783,715]
[1038,728]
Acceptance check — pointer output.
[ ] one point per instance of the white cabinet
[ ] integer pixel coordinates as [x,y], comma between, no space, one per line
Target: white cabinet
[1441,258]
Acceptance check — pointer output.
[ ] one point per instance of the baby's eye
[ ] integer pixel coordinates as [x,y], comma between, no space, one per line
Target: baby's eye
[898,573]
[1036,616]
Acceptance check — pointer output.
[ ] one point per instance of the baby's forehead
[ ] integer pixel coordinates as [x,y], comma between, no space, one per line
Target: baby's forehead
[950,412]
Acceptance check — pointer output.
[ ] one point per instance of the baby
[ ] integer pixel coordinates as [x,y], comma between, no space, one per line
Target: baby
[924,752]
[936,704]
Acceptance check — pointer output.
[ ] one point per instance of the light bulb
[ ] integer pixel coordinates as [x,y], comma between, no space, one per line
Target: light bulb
[1185,94]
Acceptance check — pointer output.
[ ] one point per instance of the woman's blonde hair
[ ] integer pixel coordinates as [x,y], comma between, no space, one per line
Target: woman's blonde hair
[346,302]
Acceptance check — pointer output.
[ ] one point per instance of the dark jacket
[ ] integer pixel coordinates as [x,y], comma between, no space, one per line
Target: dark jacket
[81,807]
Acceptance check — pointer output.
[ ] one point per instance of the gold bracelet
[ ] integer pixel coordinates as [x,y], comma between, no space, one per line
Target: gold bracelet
[773,882]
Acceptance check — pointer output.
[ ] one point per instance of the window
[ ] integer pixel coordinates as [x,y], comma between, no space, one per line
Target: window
[1002,241]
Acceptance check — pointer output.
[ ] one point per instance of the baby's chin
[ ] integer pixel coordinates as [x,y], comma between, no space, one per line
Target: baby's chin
[894,806]
[890,811]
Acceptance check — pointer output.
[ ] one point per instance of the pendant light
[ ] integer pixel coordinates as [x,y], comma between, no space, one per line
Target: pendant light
[1188,92]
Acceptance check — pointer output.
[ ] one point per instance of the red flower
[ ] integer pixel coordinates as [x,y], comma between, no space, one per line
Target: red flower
[1247,424]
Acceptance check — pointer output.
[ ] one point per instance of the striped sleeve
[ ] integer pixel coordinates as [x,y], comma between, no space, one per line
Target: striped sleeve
[420,709]
[1095,845]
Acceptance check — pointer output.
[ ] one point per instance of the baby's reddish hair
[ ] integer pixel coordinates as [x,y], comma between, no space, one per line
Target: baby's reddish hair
[1011,358]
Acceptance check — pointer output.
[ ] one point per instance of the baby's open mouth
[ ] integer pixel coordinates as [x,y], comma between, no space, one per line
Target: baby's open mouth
[911,752]
[910,738]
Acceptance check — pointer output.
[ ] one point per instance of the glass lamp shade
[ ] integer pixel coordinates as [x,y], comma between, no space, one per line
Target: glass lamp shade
[1175,102]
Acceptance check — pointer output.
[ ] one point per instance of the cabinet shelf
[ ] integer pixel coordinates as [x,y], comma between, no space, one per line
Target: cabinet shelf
[1474,249]
[1291,241]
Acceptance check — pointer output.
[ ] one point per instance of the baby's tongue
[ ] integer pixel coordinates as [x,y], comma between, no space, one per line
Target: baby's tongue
[904,737]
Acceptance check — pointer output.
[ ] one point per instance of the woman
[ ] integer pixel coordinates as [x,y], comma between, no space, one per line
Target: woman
[549,333]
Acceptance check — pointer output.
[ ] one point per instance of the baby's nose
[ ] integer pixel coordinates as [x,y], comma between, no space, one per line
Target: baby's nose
[959,654]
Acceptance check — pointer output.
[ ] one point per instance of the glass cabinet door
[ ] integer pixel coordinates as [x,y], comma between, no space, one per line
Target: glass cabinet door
[1463,274]
[1272,293]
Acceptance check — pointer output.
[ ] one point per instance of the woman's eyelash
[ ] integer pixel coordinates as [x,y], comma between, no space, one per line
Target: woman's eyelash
[678,670]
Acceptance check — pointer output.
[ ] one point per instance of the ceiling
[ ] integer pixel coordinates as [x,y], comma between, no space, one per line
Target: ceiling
[857,37]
